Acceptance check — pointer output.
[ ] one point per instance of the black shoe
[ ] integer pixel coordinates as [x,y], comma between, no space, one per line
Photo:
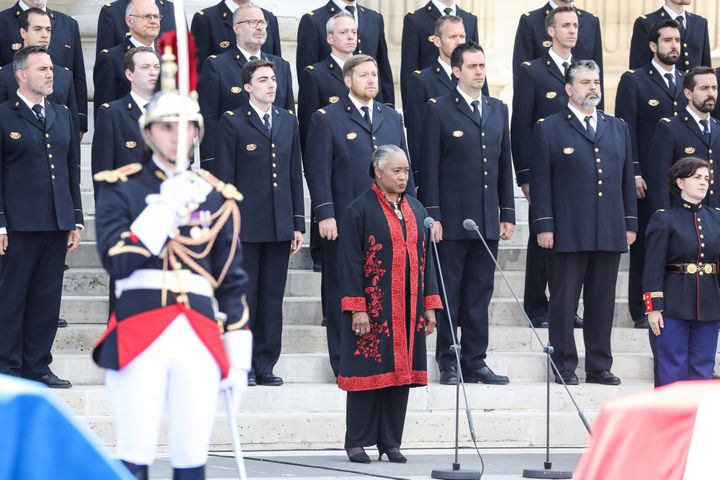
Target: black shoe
[393,454]
[66,267]
[324,322]
[62,323]
[194,473]
[251,379]
[577,321]
[317,267]
[140,472]
[715,376]
[268,379]
[642,322]
[540,322]
[53,381]
[357,455]
[568,377]
[485,375]
[448,376]
[603,377]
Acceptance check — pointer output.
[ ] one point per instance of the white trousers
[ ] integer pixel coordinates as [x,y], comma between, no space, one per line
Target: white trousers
[178,370]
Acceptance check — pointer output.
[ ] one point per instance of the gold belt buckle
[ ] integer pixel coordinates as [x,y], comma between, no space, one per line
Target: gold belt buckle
[708,268]
[691,268]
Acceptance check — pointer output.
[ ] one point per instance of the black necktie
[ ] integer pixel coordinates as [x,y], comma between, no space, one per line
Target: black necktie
[589,126]
[476,110]
[681,22]
[351,9]
[253,57]
[671,82]
[38,109]
[565,67]
[268,126]
[448,11]
[366,116]
[706,130]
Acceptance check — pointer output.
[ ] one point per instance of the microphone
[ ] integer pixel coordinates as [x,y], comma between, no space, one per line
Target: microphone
[429,222]
[469,224]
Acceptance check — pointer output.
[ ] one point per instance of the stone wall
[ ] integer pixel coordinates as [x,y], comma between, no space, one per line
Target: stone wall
[497,23]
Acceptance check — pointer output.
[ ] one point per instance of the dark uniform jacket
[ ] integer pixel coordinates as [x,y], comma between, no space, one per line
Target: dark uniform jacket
[465,166]
[122,253]
[430,82]
[539,92]
[213,32]
[418,51]
[109,74]
[532,40]
[39,169]
[642,99]
[583,190]
[65,49]
[313,46]
[695,43]
[338,152]
[266,169]
[117,140]
[676,138]
[220,90]
[112,29]
[684,234]
[63,89]
[320,84]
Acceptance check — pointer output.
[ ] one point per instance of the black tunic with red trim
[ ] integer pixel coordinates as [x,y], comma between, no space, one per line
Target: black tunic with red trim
[141,315]
[683,234]
[385,270]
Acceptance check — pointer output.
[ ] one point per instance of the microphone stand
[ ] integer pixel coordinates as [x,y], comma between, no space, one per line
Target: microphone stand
[455,473]
[547,471]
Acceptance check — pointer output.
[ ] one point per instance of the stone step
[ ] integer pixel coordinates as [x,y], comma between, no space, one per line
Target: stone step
[310,398]
[93,309]
[510,258]
[312,339]
[315,368]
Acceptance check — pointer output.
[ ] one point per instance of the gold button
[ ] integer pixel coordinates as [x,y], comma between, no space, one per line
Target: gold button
[48,145]
[702,235]
[699,227]
[374,138]
[360,51]
[52,166]
[710,161]
[597,160]
[701,273]
[600,171]
[675,103]
[273,155]
[712,192]
[486,174]
[599,194]
[485,160]
[597,149]
[486,186]
[47,135]
[52,176]
[484,146]
[599,182]
[483,134]
[274,175]
[272,145]
[50,155]
[274,165]
[699,219]
[702,245]
[274,184]
[710,151]
[712,181]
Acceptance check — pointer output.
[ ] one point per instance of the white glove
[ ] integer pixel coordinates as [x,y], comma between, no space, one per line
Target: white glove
[238,347]
[181,193]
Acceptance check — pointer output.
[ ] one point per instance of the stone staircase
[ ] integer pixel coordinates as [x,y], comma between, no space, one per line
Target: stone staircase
[308,411]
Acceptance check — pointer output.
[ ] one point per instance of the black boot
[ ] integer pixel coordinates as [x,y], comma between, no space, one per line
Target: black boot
[196,473]
[140,472]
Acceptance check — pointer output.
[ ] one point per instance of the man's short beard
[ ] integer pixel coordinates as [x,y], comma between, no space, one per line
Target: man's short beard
[665,58]
[585,102]
[702,107]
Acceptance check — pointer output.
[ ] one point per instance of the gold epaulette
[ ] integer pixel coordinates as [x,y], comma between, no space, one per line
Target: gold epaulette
[631,71]
[322,111]
[417,72]
[527,64]
[310,67]
[432,100]
[665,119]
[119,174]
[227,190]
[230,112]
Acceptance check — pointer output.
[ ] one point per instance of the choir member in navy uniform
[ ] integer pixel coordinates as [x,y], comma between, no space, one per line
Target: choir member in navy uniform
[644,96]
[339,146]
[389,298]
[65,48]
[118,140]
[35,30]
[466,172]
[214,31]
[692,132]
[539,92]
[143,19]
[322,84]
[682,297]
[419,43]
[584,211]
[112,29]
[259,152]
[178,335]
[312,46]
[40,217]
[220,86]
[434,81]
[532,39]
[693,33]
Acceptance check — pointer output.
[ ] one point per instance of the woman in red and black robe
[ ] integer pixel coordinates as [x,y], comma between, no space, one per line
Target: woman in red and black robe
[389,297]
